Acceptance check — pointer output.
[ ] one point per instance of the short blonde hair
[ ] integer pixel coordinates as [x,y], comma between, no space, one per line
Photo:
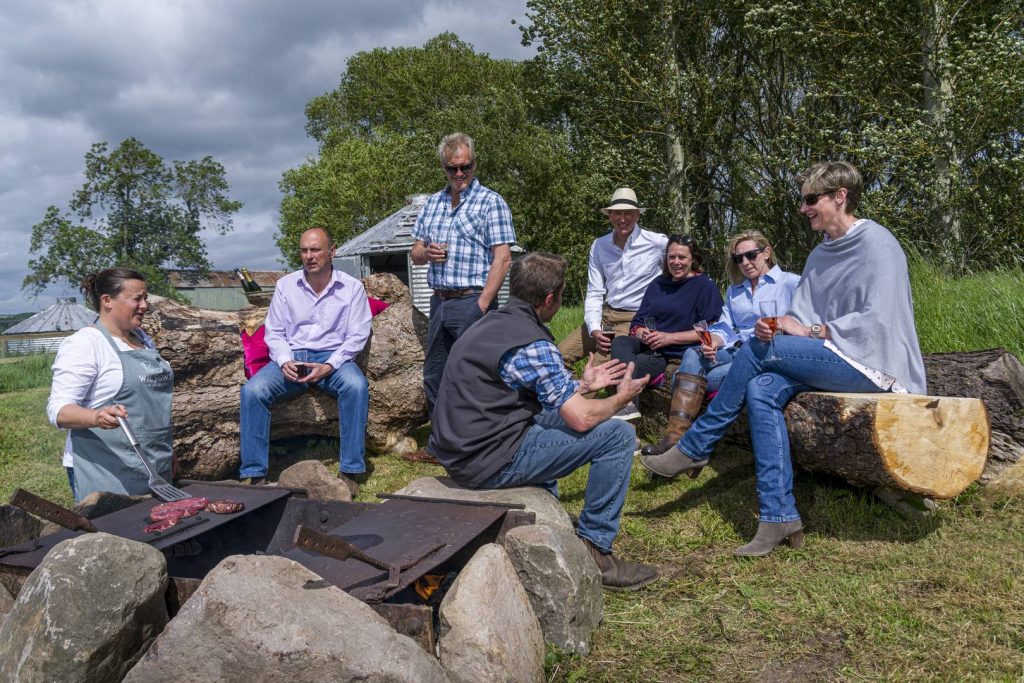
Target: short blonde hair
[451,143]
[832,175]
[732,270]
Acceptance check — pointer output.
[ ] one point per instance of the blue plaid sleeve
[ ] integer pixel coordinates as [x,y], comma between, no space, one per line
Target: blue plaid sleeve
[499,223]
[538,367]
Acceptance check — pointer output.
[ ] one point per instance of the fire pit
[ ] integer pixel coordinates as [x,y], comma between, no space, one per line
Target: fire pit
[398,555]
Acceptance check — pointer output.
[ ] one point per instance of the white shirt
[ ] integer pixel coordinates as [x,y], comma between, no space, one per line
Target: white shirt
[87,373]
[619,277]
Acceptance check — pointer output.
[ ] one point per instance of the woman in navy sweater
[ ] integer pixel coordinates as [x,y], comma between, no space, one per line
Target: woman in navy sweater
[662,328]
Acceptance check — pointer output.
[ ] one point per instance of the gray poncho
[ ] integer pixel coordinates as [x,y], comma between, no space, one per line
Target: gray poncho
[859,287]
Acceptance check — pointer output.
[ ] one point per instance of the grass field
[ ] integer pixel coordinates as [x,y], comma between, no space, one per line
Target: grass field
[873,595]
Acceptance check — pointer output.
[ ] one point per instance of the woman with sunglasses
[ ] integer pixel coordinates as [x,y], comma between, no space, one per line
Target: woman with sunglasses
[850,327]
[756,277]
[662,328]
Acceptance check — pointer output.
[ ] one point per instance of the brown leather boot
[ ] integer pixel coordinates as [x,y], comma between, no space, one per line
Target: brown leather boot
[620,575]
[686,399]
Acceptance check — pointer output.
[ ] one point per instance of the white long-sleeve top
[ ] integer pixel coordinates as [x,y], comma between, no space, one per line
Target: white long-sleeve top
[619,277]
[87,373]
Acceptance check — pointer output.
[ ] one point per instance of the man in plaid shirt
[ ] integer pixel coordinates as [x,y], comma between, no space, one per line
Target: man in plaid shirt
[465,233]
[510,414]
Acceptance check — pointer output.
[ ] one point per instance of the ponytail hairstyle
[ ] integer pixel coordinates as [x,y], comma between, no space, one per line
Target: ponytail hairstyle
[109,281]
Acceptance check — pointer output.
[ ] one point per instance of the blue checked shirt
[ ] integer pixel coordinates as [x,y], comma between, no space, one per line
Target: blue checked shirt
[482,220]
[538,367]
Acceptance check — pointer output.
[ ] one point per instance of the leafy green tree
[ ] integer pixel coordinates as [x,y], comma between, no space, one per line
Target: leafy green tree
[378,132]
[136,212]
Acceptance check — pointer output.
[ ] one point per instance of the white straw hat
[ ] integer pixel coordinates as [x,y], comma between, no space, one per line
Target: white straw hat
[624,199]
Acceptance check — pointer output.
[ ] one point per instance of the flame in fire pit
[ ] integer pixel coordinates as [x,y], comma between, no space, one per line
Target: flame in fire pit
[427,584]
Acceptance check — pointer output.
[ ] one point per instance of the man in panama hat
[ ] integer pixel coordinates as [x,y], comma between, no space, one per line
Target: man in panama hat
[620,266]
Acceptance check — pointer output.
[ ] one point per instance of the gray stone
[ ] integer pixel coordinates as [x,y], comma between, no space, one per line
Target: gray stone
[87,612]
[562,581]
[268,618]
[320,483]
[547,508]
[488,629]
[17,526]
[99,503]
[6,603]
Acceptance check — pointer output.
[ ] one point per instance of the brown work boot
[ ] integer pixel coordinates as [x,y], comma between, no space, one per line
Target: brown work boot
[620,575]
[686,399]
[420,455]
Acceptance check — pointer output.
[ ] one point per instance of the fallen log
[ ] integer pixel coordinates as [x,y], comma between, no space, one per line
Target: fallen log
[205,353]
[932,445]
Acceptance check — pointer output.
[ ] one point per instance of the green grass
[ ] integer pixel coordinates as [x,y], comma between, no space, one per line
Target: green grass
[873,595]
[25,372]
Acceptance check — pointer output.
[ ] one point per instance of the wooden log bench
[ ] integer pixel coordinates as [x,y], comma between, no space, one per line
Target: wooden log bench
[933,445]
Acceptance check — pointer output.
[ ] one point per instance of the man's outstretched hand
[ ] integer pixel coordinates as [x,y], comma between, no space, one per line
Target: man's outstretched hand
[606,374]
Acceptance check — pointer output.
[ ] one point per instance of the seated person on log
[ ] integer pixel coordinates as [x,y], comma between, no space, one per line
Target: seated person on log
[662,328]
[756,277]
[107,371]
[620,266]
[510,414]
[317,323]
[850,328]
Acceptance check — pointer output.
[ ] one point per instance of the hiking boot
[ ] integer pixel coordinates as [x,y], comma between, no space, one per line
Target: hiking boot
[420,456]
[255,481]
[353,480]
[627,412]
[620,575]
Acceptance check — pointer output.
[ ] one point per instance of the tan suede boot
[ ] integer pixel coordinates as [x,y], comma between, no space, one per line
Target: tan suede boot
[686,399]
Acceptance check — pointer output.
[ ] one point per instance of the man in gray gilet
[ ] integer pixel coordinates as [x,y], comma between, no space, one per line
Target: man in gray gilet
[510,414]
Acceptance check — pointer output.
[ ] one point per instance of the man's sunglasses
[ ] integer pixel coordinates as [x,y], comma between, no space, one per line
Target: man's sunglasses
[749,255]
[812,198]
[465,168]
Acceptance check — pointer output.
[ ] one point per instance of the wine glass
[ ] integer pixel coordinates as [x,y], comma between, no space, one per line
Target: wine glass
[701,328]
[769,313]
[651,323]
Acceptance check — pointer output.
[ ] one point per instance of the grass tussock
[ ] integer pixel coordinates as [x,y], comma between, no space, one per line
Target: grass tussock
[18,373]
[872,595]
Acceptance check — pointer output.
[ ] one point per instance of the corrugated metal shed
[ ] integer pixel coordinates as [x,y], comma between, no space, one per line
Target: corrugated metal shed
[386,248]
[219,290]
[46,330]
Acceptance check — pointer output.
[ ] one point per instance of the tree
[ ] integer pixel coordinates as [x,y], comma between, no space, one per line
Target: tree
[378,132]
[140,214]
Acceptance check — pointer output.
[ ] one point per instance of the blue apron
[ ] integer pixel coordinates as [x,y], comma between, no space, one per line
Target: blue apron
[104,459]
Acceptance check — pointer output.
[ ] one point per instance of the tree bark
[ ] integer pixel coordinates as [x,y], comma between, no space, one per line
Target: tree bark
[933,445]
[205,352]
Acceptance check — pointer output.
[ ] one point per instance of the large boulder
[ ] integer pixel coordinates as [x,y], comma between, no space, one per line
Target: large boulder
[545,506]
[205,352]
[87,613]
[488,629]
[267,618]
[17,526]
[320,483]
[562,581]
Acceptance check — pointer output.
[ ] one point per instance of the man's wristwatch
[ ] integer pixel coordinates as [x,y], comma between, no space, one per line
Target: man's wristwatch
[816,331]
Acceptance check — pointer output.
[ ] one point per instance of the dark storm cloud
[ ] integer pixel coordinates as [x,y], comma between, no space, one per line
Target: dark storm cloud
[189,78]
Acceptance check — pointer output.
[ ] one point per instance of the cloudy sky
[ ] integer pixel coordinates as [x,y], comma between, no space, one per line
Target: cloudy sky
[189,78]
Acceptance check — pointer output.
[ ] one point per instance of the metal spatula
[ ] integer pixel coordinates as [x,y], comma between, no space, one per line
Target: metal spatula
[160,487]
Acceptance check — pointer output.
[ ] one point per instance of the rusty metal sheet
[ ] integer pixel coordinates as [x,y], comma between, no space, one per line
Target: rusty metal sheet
[394,532]
[130,521]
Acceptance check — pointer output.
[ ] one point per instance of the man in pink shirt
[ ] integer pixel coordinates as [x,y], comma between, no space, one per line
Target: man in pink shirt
[318,322]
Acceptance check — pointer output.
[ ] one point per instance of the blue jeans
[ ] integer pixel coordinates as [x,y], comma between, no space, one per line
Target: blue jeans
[694,363]
[449,318]
[269,385]
[551,450]
[766,386]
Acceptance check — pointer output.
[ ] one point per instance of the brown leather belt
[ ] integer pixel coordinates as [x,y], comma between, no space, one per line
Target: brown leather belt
[445,294]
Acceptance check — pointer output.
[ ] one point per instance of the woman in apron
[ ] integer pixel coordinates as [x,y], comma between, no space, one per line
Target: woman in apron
[109,370]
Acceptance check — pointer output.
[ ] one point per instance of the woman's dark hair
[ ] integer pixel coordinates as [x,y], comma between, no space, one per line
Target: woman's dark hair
[109,281]
[689,243]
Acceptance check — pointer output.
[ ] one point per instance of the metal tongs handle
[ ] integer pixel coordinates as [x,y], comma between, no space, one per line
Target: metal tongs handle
[134,442]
